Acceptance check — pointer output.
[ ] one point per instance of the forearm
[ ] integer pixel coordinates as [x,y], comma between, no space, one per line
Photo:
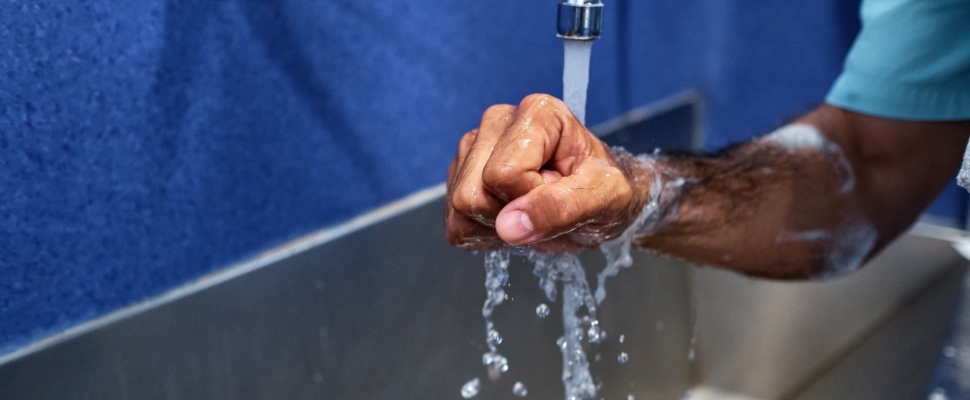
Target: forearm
[794,205]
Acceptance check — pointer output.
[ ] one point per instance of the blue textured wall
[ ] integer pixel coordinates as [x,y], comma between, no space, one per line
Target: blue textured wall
[144,144]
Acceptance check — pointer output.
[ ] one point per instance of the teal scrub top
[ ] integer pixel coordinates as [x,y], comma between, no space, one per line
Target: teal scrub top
[911,61]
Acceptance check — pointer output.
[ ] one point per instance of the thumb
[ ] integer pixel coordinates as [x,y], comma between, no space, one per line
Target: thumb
[597,199]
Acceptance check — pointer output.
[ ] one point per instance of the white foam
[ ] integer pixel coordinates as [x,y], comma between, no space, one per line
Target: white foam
[853,243]
[963,178]
[803,136]
[798,136]
[814,235]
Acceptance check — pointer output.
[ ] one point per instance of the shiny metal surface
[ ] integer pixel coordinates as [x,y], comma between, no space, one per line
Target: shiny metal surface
[895,360]
[387,312]
[772,340]
[391,311]
[952,375]
[580,20]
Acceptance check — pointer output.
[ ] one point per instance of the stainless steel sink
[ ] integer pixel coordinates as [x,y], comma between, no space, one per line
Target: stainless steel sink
[874,335]
[383,308]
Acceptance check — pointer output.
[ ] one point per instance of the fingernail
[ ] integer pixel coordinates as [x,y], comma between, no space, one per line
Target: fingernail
[514,227]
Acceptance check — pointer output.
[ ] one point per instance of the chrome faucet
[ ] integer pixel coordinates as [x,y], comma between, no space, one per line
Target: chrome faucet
[580,19]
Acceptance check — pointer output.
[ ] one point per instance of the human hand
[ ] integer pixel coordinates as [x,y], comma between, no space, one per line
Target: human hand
[534,175]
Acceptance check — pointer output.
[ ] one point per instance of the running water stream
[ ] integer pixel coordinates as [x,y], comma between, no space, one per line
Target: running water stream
[565,270]
[575,76]
[552,268]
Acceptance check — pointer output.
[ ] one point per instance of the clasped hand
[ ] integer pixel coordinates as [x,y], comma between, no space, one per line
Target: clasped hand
[532,174]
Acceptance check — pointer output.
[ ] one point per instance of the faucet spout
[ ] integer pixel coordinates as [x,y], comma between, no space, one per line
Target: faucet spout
[580,19]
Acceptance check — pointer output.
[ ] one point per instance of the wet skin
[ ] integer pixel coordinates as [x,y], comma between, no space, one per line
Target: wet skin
[533,175]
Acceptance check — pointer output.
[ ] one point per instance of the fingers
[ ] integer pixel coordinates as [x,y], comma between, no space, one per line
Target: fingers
[469,196]
[531,174]
[594,202]
[531,140]
[466,233]
[460,230]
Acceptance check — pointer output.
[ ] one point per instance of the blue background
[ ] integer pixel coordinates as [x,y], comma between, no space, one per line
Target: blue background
[144,144]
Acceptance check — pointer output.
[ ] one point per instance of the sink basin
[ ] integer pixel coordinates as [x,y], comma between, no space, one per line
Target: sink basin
[384,308]
[876,334]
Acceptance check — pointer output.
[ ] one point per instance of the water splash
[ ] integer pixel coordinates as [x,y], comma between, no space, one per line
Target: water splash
[519,389]
[623,357]
[617,251]
[566,268]
[496,278]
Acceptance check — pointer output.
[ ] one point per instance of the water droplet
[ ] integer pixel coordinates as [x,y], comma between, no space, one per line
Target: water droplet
[500,363]
[519,389]
[623,357]
[494,337]
[542,310]
[622,338]
[471,388]
[630,397]
[594,333]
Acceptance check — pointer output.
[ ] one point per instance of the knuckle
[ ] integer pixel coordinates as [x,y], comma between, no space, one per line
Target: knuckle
[502,180]
[497,111]
[461,201]
[536,100]
[497,175]
[469,203]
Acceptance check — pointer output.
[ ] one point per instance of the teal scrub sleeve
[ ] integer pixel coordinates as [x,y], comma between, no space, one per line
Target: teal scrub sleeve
[911,61]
